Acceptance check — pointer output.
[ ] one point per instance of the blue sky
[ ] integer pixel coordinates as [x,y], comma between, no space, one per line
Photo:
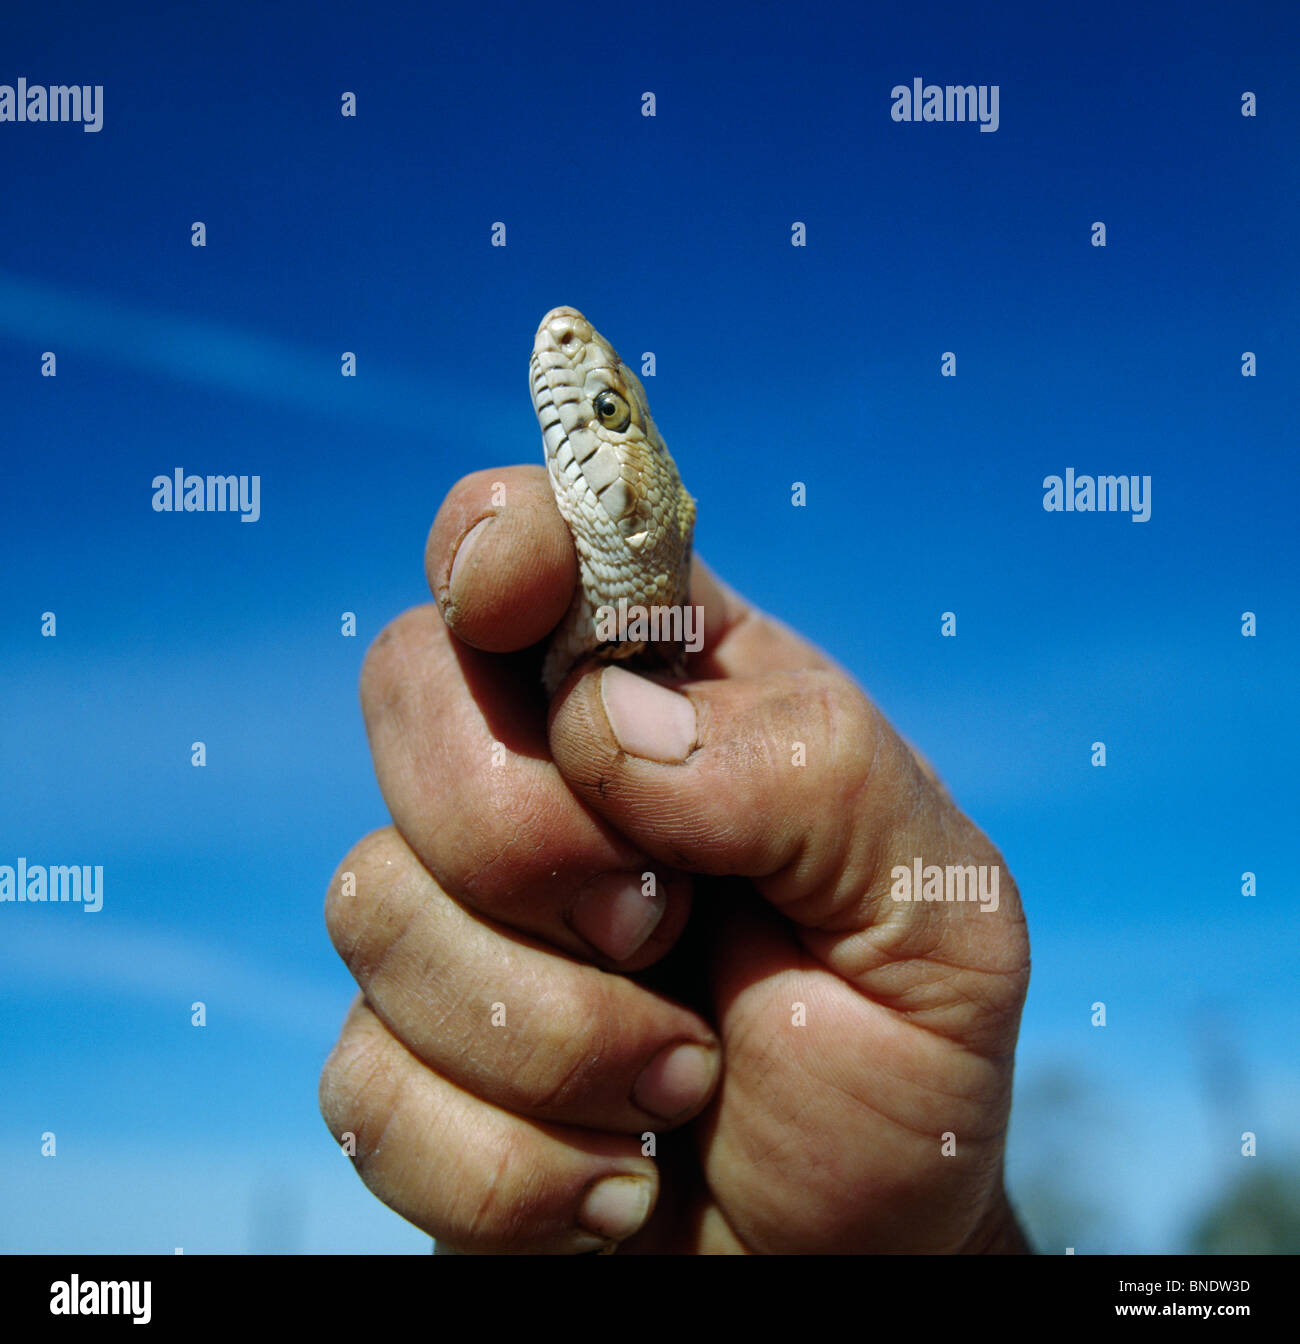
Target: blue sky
[819,364]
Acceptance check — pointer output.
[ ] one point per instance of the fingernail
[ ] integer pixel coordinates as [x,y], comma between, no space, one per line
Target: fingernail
[615,915]
[647,719]
[617,1206]
[460,564]
[676,1080]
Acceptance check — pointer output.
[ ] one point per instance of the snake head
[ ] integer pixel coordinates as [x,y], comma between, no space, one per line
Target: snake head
[608,462]
[615,483]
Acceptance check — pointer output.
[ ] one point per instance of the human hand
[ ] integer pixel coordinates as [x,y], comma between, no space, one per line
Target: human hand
[775,790]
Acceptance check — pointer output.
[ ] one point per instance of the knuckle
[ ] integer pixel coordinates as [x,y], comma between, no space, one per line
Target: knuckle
[387,660]
[853,730]
[490,1213]
[357,887]
[357,1091]
[564,1068]
[826,712]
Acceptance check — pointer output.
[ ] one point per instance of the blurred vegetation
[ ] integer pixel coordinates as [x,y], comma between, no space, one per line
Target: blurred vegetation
[1065,1178]
[1258,1215]
[1052,1192]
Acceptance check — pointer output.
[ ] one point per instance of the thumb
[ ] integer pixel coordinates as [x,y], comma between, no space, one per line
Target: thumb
[795,780]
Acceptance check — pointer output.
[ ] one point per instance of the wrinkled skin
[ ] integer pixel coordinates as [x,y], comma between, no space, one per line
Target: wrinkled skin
[848,1078]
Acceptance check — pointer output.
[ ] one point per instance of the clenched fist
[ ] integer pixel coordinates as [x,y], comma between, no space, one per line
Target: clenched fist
[708,966]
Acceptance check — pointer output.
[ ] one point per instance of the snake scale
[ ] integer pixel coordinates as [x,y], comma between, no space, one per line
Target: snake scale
[616,485]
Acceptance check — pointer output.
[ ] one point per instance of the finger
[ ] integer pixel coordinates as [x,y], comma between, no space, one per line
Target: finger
[796,780]
[469,1173]
[460,753]
[507,1020]
[500,560]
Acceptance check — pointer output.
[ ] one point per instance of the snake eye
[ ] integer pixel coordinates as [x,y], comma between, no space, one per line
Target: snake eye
[613,410]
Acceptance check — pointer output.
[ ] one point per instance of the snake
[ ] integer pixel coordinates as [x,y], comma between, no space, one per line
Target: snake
[616,486]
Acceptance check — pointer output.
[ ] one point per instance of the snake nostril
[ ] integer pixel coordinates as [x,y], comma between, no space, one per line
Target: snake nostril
[562,332]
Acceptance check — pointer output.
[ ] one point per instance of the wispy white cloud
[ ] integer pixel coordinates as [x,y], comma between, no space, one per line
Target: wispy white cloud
[221,357]
[89,953]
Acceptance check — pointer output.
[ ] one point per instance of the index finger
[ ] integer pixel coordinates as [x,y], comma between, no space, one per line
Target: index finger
[500,560]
